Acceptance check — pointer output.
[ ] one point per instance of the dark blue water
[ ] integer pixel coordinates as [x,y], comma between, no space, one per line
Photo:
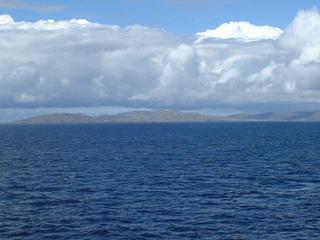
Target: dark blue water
[165,181]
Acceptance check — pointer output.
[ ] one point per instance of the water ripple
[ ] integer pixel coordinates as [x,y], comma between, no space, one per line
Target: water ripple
[160,181]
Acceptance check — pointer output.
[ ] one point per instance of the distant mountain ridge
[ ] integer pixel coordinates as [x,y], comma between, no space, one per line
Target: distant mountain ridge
[165,116]
[128,117]
[279,116]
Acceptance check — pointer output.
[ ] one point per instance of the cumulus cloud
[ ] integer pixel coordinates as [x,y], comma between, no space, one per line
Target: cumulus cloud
[77,63]
[243,31]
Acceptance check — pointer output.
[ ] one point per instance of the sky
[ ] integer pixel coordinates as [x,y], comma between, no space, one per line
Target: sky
[178,16]
[217,57]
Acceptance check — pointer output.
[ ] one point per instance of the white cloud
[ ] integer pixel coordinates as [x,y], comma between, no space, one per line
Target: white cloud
[77,63]
[8,23]
[242,31]
[6,19]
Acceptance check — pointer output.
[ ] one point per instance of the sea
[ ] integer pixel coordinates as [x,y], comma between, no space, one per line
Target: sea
[160,181]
